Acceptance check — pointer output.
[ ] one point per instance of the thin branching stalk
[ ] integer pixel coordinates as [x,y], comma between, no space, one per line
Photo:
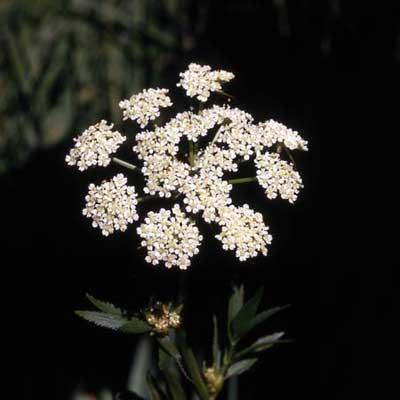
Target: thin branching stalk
[124,163]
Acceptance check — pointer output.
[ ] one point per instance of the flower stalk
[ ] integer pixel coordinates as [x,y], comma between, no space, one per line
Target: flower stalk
[237,181]
[124,163]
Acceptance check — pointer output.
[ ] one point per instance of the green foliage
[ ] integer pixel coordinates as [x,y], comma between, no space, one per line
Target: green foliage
[104,306]
[178,367]
[240,367]
[64,64]
[113,317]
[115,322]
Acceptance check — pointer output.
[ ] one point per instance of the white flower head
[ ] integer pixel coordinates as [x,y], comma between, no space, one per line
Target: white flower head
[145,106]
[111,205]
[266,134]
[234,130]
[206,192]
[170,237]
[278,176]
[164,175]
[95,146]
[244,231]
[199,81]
[213,156]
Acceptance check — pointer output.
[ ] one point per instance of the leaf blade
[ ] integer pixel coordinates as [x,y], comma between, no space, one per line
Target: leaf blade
[239,367]
[104,306]
[241,322]
[102,319]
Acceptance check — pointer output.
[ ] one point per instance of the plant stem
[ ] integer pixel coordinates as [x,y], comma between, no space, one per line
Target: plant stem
[225,94]
[242,180]
[191,153]
[124,163]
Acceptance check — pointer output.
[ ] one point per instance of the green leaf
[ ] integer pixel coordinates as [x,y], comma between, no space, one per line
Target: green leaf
[169,347]
[135,326]
[261,317]
[193,370]
[241,324]
[167,365]
[261,344]
[105,320]
[104,306]
[216,348]
[154,390]
[235,302]
[240,367]
[115,322]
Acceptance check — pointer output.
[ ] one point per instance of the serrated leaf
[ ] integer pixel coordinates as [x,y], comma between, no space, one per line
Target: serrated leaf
[115,322]
[240,367]
[104,306]
[261,344]
[136,326]
[241,324]
[104,320]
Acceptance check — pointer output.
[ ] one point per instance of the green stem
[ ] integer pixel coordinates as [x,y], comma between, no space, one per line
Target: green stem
[124,163]
[242,180]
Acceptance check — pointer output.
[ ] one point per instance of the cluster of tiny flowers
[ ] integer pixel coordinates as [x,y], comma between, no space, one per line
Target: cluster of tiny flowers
[199,81]
[193,125]
[111,205]
[161,141]
[199,182]
[170,237]
[266,134]
[213,156]
[278,176]
[206,192]
[145,106]
[234,130]
[244,231]
[94,146]
[163,318]
[164,175]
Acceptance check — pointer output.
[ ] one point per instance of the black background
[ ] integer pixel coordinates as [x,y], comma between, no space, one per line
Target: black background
[329,78]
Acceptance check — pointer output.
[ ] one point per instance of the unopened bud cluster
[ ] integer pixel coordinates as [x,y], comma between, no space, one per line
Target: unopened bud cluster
[162,318]
[214,380]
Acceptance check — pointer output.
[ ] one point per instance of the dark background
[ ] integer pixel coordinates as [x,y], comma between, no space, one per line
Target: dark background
[324,68]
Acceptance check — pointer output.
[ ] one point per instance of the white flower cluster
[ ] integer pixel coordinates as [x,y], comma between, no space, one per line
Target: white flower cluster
[111,205]
[170,237]
[164,175]
[94,146]
[196,178]
[145,106]
[266,134]
[199,81]
[244,231]
[213,156]
[235,130]
[278,176]
[206,192]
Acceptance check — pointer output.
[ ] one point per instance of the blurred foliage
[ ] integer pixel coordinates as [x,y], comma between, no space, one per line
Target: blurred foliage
[65,63]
